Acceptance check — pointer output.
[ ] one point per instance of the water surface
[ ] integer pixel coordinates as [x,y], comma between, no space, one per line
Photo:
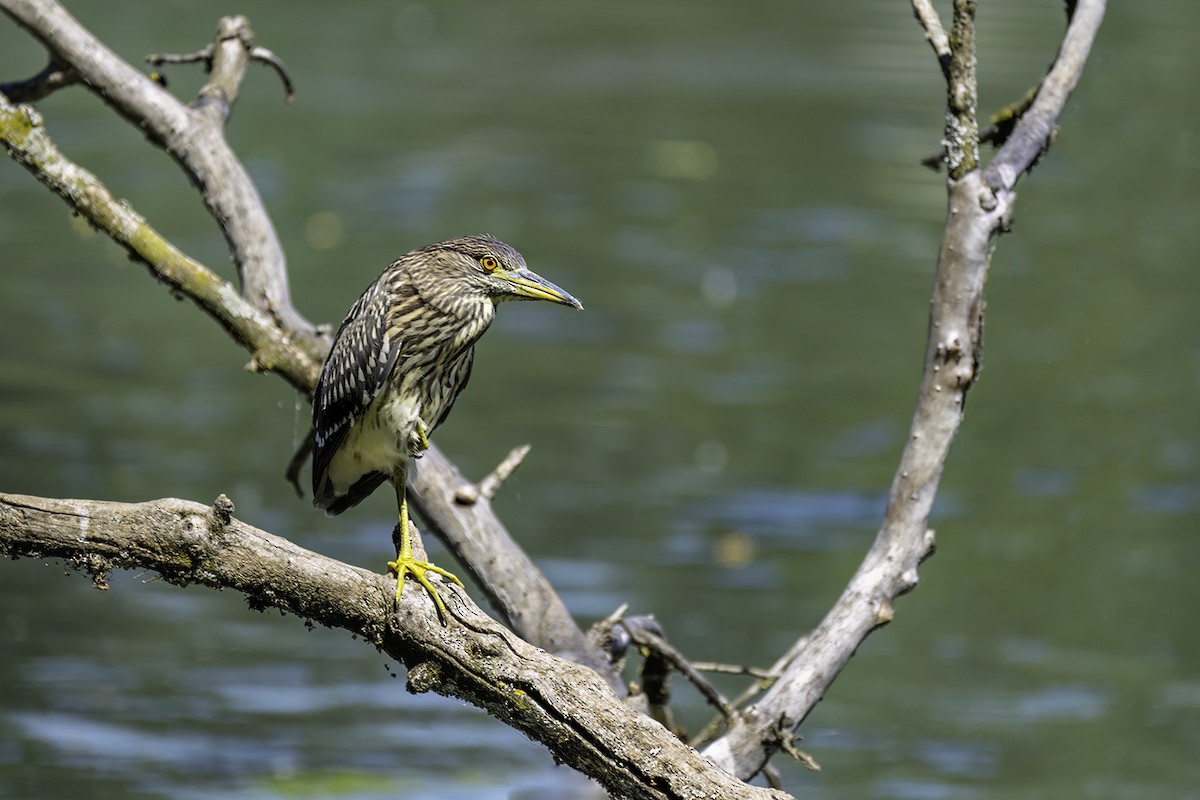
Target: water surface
[735,195]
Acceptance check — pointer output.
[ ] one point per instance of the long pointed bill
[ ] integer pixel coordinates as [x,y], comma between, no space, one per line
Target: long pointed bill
[527,284]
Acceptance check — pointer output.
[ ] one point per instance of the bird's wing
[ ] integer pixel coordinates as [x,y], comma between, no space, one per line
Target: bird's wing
[356,370]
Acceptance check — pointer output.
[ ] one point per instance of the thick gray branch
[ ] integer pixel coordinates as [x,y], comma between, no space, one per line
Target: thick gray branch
[564,706]
[904,539]
[976,215]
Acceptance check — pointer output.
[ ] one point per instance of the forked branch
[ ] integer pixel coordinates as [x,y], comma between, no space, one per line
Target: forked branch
[193,136]
[979,209]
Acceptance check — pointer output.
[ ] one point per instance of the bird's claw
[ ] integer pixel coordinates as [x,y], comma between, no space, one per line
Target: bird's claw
[418,440]
[404,566]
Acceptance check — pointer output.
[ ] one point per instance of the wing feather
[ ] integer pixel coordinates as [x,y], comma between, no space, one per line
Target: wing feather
[357,369]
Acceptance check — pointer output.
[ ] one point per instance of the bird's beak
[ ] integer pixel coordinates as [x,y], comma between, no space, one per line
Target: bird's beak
[526,284]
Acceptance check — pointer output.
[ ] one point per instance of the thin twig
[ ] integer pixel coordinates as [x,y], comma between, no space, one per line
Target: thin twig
[935,34]
[262,55]
[257,54]
[469,494]
[732,669]
[764,682]
[54,76]
[650,640]
[204,54]
[788,745]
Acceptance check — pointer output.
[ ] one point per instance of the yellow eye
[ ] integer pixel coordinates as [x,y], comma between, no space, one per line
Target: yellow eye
[489,263]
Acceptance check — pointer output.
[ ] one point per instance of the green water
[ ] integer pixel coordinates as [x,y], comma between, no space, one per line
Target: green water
[734,193]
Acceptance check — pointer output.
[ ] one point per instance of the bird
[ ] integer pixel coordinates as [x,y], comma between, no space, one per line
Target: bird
[399,360]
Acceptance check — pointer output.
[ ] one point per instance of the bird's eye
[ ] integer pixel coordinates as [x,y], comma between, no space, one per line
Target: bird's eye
[489,263]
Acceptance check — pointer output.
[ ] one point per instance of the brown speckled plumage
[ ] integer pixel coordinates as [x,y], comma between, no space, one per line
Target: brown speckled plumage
[402,356]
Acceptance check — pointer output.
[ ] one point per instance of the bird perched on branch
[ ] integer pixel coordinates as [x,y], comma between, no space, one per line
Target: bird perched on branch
[399,360]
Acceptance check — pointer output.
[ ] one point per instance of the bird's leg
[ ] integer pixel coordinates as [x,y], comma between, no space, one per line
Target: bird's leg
[405,563]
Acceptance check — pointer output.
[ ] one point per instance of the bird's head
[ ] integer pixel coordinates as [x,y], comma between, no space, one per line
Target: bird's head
[479,267]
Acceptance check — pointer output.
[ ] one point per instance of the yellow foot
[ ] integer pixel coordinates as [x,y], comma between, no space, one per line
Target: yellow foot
[403,566]
[418,440]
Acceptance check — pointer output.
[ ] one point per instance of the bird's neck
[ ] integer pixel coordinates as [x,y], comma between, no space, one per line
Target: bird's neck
[471,314]
[475,317]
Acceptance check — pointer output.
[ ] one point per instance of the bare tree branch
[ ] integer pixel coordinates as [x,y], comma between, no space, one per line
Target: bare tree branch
[566,707]
[1054,88]
[225,60]
[194,138]
[233,66]
[271,348]
[262,55]
[935,34]
[1035,130]
[487,488]
[54,76]
[976,215]
[649,636]
[229,56]
[962,126]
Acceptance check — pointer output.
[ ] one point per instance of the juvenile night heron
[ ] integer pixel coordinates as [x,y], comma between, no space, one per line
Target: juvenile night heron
[399,360]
